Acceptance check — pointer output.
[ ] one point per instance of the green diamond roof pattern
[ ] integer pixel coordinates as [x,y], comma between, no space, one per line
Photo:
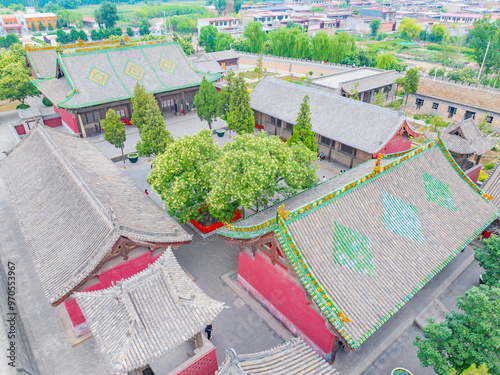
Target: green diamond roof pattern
[438,192]
[134,71]
[352,250]
[401,218]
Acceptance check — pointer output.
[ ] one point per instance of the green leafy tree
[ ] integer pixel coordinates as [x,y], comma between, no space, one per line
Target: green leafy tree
[354,91]
[220,5]
[302,129]
[51,28]
[114,130]
[489,259]
[16,7]
[379,98]
[290,42]
[237,5]
[437,122]
[223,42]
[375,26]
[463,339]
[83,35]
[130,32]
[62,37]
[208,34]
[255,36]
[259,66]
[409,82]
[438,33]
[239,44]
[251,169]
[240,116]
[186,45]
[206,102]
[73,35]
[139,106]
[10,40]
[483,125]
[41,27]
[224,96]
[154,135]
[466,75]
[473,370]
[106,15]
[320,46]
[486,31]
[437,72]
[15,78]
[409,28]
[33,26]
[50,7]
[387,61]
[182,175]
[144,29]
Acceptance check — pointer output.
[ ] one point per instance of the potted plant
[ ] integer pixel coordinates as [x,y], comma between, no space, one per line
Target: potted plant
[400,371]
[133,157]
[220,132]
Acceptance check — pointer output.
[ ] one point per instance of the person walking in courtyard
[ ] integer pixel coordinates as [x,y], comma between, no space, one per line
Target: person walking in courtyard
[208,330]
[146,192]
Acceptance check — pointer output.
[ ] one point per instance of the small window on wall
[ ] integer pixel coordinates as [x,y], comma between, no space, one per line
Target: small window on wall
[278,123]
[288,126]
[435,105]
[346,149]
[489,119]
[419,103]
[451,111]
[325,141]
[120,112]
[469,114]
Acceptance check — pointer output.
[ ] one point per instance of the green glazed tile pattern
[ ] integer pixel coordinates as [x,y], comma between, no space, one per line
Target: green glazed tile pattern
[401,218]
[438,192]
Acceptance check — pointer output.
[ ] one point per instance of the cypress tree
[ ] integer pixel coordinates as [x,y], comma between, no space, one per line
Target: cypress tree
[302,129]
[240,115]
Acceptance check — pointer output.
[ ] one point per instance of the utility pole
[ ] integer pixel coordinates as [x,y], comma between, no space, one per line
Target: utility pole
[484,59]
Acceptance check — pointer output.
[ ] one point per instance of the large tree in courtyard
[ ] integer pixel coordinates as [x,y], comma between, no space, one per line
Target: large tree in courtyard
[206,102]
[139,106]
[182,174]
[114,130]
[409,28]
[471,336]
[154,135]
[489,259]
[208,34]
[254,169]
[302,129]
[240,116]
[375,26]
[15,78]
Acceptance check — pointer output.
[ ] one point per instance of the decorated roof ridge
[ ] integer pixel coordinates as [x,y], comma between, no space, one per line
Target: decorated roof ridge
[66,74]
[35,70]
[402,153]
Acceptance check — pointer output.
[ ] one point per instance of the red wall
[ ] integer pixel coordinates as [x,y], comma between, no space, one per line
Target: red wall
[33,73]
[20,129]
[397,144]
[206,365]
[473,173]
[53,122]
[68,119]
[285,298]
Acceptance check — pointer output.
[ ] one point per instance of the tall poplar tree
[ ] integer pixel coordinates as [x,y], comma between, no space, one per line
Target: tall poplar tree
[206,102]
[240,115]
[139,105]
[114,130]
[302,129]
[154,136]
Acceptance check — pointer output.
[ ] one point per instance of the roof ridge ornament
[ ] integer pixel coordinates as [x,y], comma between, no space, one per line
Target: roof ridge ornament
[282,214]
[377,166]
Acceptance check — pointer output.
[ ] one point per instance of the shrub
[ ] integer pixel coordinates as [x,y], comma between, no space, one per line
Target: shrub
[46,101]
[482,176]
[303,78]
[256,69]
[22,106]
[488,166]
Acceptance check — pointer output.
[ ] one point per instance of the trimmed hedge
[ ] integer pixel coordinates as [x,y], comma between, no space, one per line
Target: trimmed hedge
[46,101]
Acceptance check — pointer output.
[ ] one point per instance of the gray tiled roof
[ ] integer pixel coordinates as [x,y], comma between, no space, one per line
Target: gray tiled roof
[144,317]
[472,142]
[74,204]
[55,89]
[43,62]
[360,125]
[369,83]
[365,248]
[291,358]
[209,66]
[221,55]
[110,74]
[335,80]
[492,185]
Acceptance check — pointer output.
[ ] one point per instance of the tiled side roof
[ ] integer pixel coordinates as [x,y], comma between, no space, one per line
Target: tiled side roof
[462,94]
[74,204]
[110,74]
[381,237]
[291,358]
[43,62]
[492,185]
[369,83]
[55,89]
[473,141]
[360,125]
[147,315]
